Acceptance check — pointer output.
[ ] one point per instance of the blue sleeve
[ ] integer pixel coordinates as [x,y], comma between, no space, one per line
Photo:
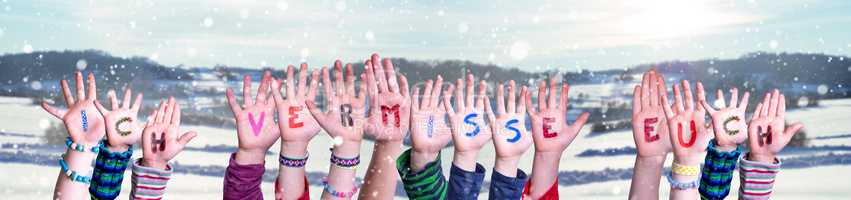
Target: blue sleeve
[465,185]
[504,187]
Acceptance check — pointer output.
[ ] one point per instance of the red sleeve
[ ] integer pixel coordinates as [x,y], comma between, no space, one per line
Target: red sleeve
[304,196]
[552,193]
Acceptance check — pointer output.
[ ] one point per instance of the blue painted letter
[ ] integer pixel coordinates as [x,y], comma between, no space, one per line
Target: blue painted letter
[509,126]
[469,120]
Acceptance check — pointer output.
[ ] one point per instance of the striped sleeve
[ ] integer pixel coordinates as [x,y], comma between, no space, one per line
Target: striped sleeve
[717,172]
[149,183]
[428,183]
[108,173]
[757,178]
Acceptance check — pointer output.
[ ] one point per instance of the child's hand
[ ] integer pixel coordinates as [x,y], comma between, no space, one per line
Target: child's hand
[550,130]
[728,122]
[685,126]
[122,125]
[390,111]
[511,138]
[297,126]
[345,116]
[429,131]
[159,139]
[767,133]
[82,120]
[469,133]
[255,126]
[649,127]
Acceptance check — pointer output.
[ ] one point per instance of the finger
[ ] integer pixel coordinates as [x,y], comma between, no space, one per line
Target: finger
[66,92]
[426,96]
[653,94]
[112,99]
[302,81]
[542,96]
[186,138]
[372,84]
[689,100]
[391,75]
[459,95]
[636,100]
[92,87]
[666,107]
[581,120]
[361,96]
[136,104]
[719,96]
[483,88]
[781,109]
[403,86]
[775,99]
[291,84]
[645,89]
[490,115]
[314,85]
[757,112]
[339,88]
[175,116]
[263,90]
[326,86]
[735,98]
[160,112]
[471,85]
[743,104]
[447,96]
[678,99]
[701,98]
[435,92]
[500,99]
[80,95]
[53,111]
[276,91]
[521,107]
[126,102]
[169,112]
[553,93]
[529,107]
[766,103]
[350,81]
[512,95]
[101,109]
[246,91]
[234,105]
[416,99]
[562,102]
[792,130]
[378,71]
[315,111]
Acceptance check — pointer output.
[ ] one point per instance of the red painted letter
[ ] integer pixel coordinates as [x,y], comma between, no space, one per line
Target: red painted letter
[547,127]
[764,136]
[386,111]
[691,139]
[648,128]
[293,115]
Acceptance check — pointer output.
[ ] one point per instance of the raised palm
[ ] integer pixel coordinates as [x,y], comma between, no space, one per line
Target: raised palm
[728,122]
[344,118]
[511,138]
[767,132]
[649,127]
[467,124]
[389,101]
[685,125]
[123,128]
[255,126]
[429,132]
[295,122]
[160,143]
[550,130]
[84,123]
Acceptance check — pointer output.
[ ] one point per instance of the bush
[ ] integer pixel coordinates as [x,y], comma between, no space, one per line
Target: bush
[55,134]
[800,139]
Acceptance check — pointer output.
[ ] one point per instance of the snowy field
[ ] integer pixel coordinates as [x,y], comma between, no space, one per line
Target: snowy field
[34,181]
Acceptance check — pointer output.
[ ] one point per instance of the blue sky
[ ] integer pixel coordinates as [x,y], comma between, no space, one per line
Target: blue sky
[532,35]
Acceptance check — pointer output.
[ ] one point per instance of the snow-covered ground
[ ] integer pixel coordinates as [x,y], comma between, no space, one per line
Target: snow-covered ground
[36,182]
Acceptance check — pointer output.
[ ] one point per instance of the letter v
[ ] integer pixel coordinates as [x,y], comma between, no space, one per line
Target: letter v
[256,127]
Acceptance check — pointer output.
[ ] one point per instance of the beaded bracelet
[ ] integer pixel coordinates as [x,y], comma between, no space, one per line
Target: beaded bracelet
[82,148]
[293,162]
[348,163]
[74,175]
[685,170]
[338,194]
[681,185]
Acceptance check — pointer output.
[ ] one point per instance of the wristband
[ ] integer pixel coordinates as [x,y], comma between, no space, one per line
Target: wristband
[338,194]
[293,162]
[348,163]
[683,185]
[685,170]
[76,177]
[82,148]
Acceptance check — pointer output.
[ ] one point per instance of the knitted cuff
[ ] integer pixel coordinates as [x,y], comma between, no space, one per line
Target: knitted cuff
[109,173]
[717,172]
[148,182]
[757,178]
[427,183]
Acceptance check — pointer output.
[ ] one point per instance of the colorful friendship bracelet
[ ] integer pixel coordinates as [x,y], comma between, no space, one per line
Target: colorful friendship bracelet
[73,174]
[338,194]
[348,163]
[82,148]
[683,185]
[685,170]
[293,162]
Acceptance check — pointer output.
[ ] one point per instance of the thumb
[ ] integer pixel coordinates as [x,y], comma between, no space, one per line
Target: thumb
[186,137]
[792,130]
[101,109]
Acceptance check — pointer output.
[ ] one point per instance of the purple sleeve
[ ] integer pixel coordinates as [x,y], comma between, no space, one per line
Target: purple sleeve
[243,181]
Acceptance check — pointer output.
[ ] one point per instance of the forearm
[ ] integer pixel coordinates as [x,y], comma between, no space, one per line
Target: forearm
[290,179]
[79,163]
[646,174]
[342,179]
[544,172]
[109,172]
[380,178]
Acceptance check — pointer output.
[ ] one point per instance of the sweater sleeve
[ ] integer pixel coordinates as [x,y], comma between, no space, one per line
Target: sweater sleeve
[108,173]
[757,178]
[465,185]
[243,181]
[717,172]
[504,187]
[551,194]
[148,182]
[427,183]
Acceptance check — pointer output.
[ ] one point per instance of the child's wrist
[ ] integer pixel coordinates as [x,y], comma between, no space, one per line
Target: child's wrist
[154,163]
[465,160]
[763,158]
[117,147]
[420,159]
[507,165]
[688,160]
[347,149]
[293,149]
[250,156]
